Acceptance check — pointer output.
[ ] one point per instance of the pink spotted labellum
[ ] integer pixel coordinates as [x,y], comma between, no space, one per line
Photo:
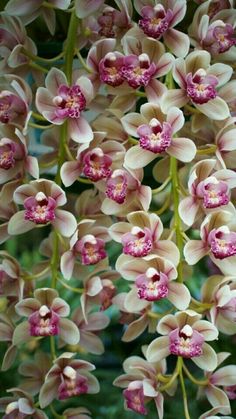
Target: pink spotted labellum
[140,237]
[45,312]
[67,378]
[156,136]
[154,280]
[217,241]
[209,190]
[199,81]
[40,199]
[59,102]
[185,335]
[158,19]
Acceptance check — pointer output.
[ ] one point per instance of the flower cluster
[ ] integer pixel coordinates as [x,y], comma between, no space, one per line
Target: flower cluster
[130,128]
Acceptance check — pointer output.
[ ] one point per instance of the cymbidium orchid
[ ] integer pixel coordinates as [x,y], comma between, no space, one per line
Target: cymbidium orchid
[156,136]
[218,382]
[30,11]
[95,161]
[88,242]
[141,384]
[14,101]
[140,237]
[214,32]
[185,335]
[124,192]
[217,241]
[59,102]
[11,282]
[45,312]
[158,19]
[6,334]
[209,190]
[199,81]
[220,293]
[138,146]
[40,199]
[154,280]
[20,405]
[89,328]
[14,158]
[13,39]
[67,378]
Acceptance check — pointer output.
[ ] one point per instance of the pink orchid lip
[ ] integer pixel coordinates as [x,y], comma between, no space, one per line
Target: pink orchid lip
[155,20]
[138,242]
[230,391]
[97,165]
[92,249]
[220,38]
[155,137]
[70,102]
[106,23]
[44,322]
[10,107]
[40,209]
[7,154]
[137,70]
[214,193]
[117,186]
[109,69]
[152,286]
[134,398]
[222,242]
[186,342]
[201,87]
[72,384]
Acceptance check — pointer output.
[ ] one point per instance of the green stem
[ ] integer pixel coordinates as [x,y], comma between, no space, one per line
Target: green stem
[38,67]
[162,187]
[170,382]
[208,150]
[184,393]
[83,63]
[33,125]
[55,414]
[164,206]
[70,44]
[191,109]
[193,379]
[77,290]
[133,141]
[177,220]
[37,116]
[53,348]
[42,59]
[54,260]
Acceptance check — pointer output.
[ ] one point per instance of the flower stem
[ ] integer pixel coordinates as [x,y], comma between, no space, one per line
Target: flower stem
[162,187]
[185,400]
[37,126]
[53,348]
[177,220]
[69,48]
[77,290]
[193,379]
